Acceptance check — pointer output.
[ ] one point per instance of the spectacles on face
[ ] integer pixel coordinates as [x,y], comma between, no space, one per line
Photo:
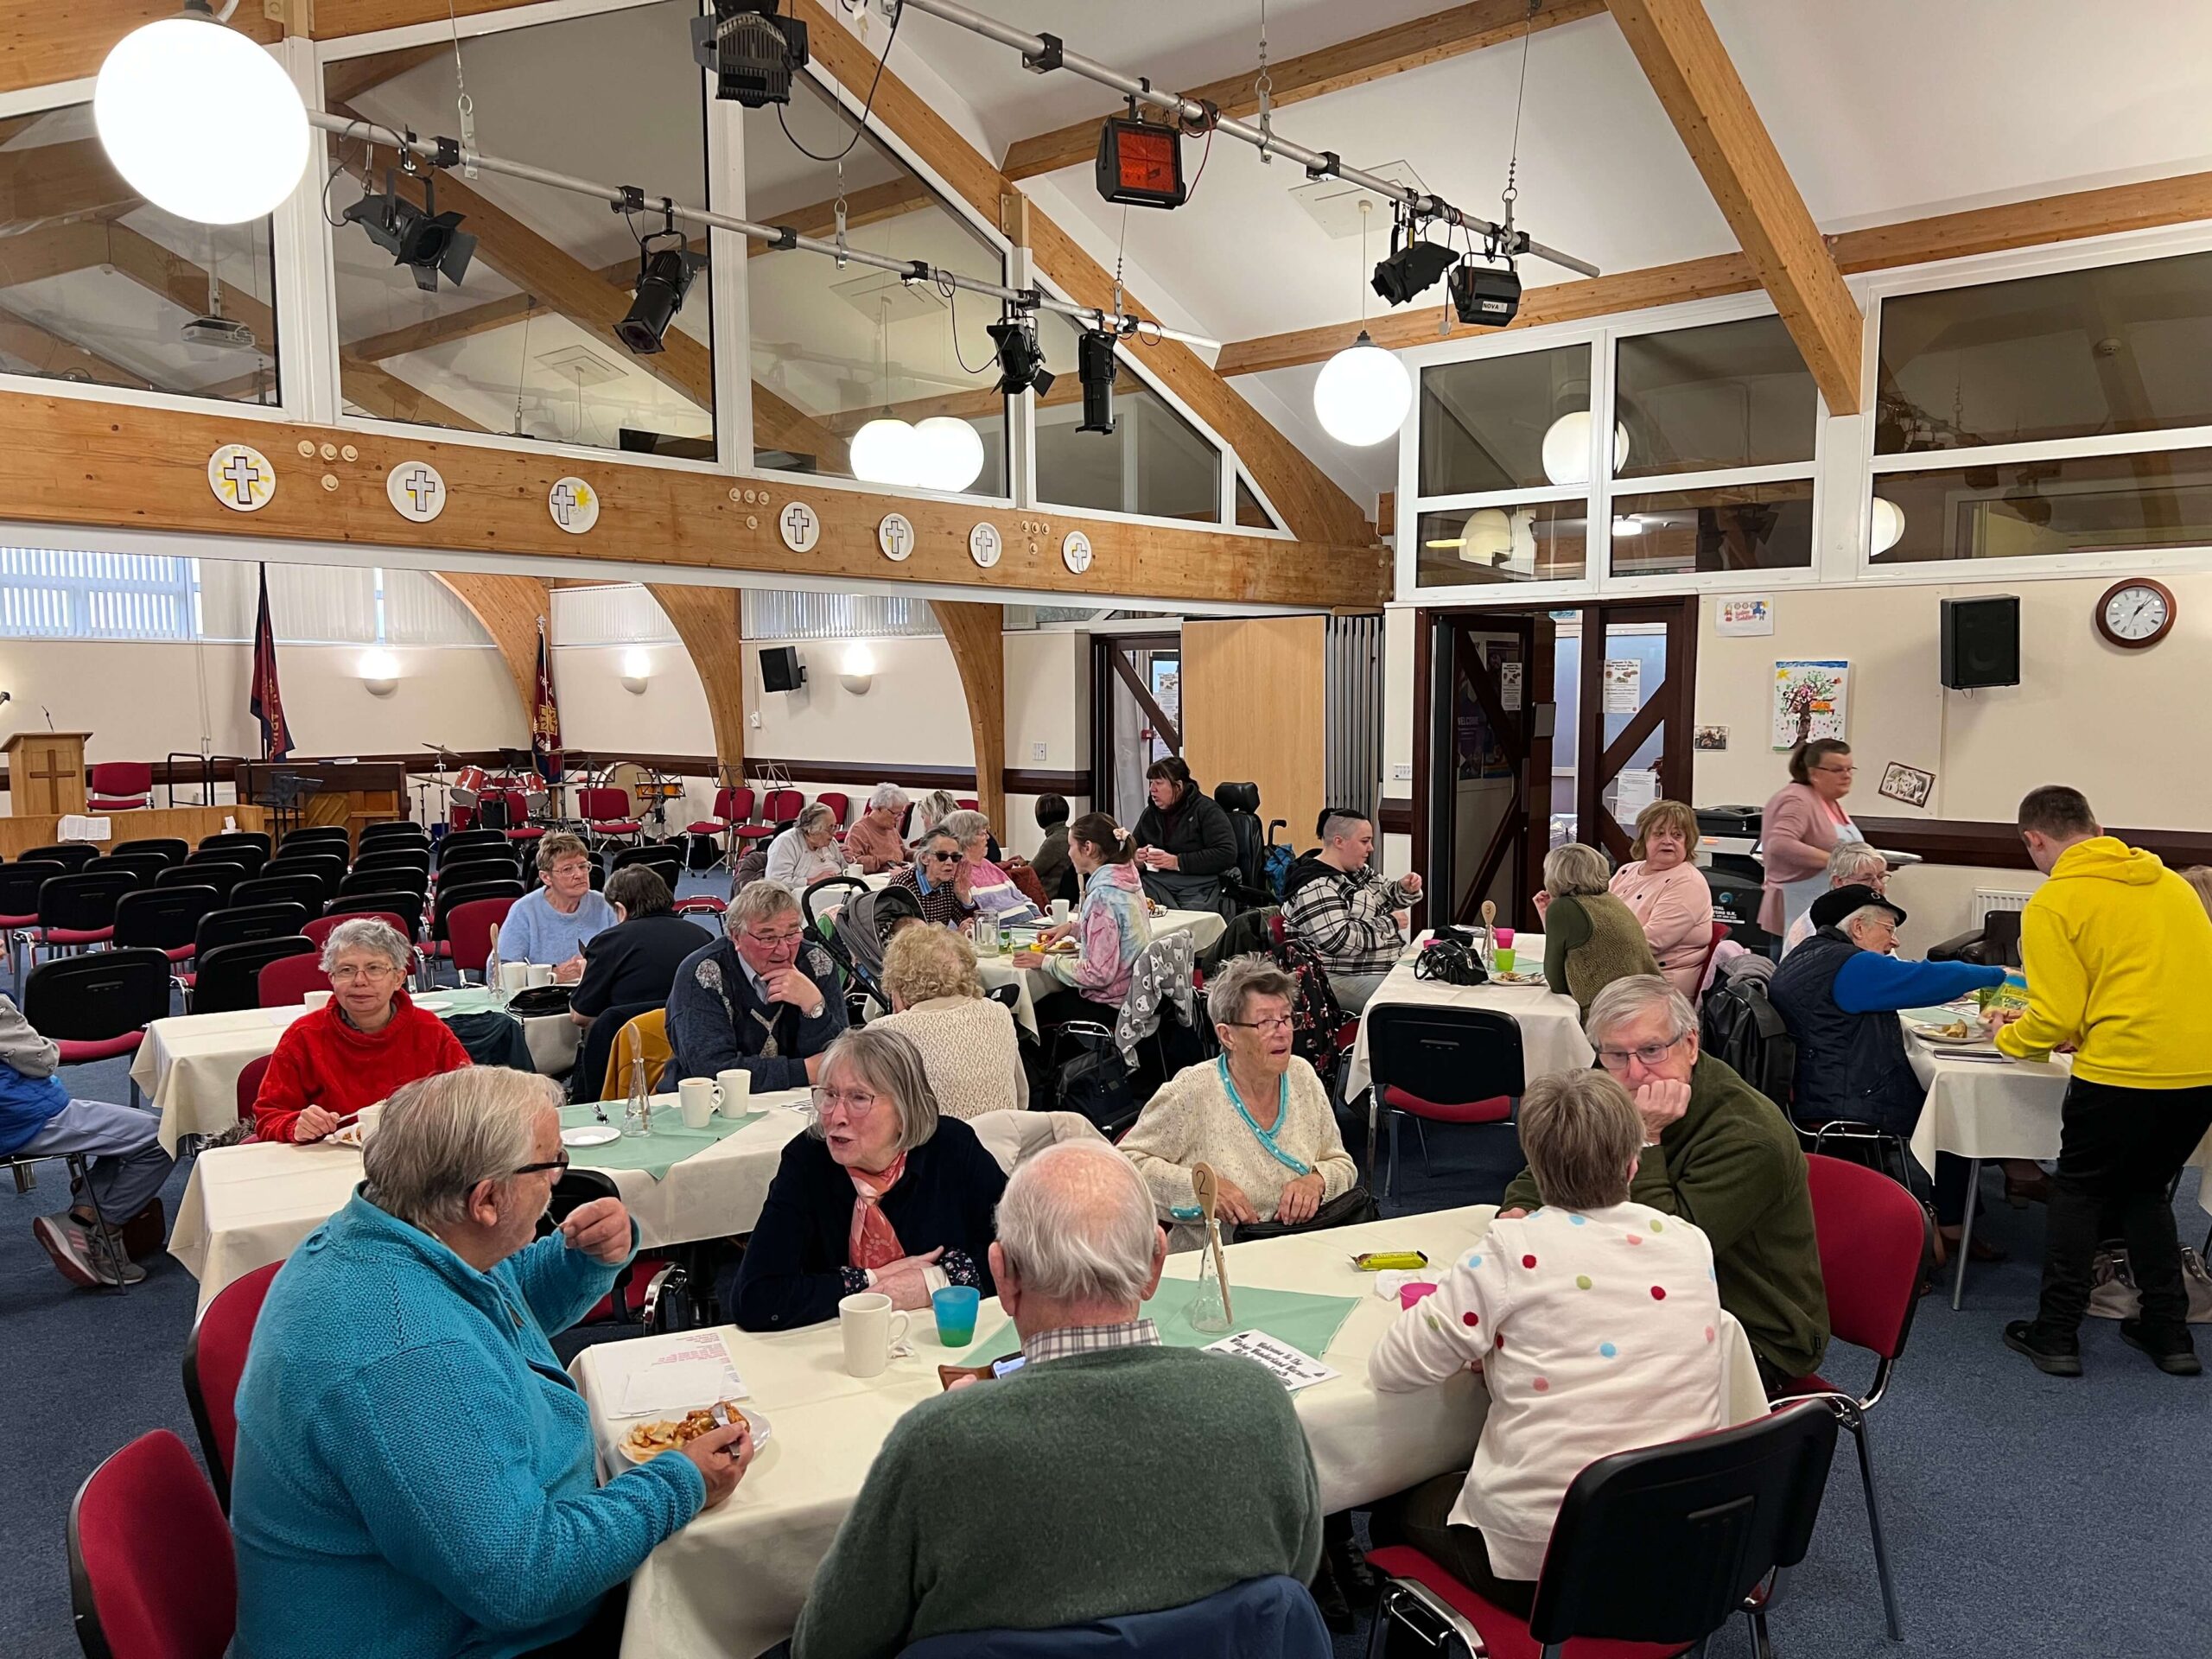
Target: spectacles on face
[936,856]
[1839,772]
[347,972]
[855,1104]
[775,941]
[1646,1055]
[571,870]
[1273,1022]
[559,1163]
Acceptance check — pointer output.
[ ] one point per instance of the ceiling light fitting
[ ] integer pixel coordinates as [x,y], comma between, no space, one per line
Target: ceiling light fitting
[752,53]
[1485,296]
[1413,266]
[1096,366]
[1021,360]
[664,275]
[428,242]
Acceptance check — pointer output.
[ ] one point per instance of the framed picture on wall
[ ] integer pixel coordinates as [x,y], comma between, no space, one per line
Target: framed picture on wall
[1907,783]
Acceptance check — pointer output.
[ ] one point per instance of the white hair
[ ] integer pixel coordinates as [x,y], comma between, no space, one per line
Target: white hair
[1628,1000]
[815,816]
[1575,870]
[367,933]
[887,798]
[1867,914]
[1076,1224]
[1854,862]
[758,902]
[965,825]
[439,1136]
[1229,992]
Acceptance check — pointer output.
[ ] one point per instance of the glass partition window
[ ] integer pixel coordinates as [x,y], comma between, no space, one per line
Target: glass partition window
[1723,527]
[834,349]
[1726,396]
[523,344]
[1153,461]
[1543,541]
[2078,353]
[2081,504]
[1510,423]
[99,287]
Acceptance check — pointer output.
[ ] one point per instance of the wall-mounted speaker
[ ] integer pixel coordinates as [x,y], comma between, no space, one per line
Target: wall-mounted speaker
[781,670]
[1981,641]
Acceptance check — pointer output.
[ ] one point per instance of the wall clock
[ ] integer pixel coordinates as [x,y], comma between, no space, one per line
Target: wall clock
[2135,615]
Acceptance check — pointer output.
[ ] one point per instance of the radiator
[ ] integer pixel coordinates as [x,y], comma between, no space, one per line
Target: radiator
[1988,899]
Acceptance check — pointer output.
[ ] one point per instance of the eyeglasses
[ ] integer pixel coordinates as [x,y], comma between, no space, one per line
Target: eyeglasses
[776,941]
[942,858]
[347,973]
[1841,771]
[1650,1054]
[1273,1022]
[562,1162]
[854,1102]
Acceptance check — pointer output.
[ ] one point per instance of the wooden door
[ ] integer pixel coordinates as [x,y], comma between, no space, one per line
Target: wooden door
[1256,710]
[1632,727]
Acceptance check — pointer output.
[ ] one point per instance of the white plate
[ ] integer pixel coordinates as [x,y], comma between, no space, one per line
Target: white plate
[762,1433]
[1517,979]
[590,1135]
[1936,1035]
[434,1004]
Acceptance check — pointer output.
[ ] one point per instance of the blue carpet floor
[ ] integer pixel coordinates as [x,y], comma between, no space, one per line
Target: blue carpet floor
[2027,1515]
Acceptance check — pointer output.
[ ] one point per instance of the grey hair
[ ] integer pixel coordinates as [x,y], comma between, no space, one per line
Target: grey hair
[367,933]
[1867,914]
[439,1136]
[758,902]
[815,816]
[931,835]
[1076,1224]
[887,1062]
[1337,825]
[1630,999]
[1574,870]
[889,798]
[558,846]
[965,826]
[1230,991]
[1854,862]
[934,808]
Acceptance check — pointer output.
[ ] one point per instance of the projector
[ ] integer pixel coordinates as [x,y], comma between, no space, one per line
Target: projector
[1485,296]
[221,332]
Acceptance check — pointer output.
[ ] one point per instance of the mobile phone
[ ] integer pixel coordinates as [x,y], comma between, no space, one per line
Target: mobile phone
[1010,1364]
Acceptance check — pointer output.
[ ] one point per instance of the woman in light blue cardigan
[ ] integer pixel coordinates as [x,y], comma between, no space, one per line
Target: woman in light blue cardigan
[415,1472]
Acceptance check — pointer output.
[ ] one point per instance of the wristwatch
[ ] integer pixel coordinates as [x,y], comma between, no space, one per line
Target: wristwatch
[815,1012]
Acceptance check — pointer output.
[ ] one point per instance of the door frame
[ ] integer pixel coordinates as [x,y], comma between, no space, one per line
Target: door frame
[1106,649]
[1668,710]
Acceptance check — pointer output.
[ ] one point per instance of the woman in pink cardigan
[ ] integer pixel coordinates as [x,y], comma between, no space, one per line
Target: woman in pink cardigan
[1801,827]
[1668,895]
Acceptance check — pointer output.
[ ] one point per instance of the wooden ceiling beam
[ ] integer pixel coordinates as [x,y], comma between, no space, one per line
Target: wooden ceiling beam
[375,390]
[1412,44]
[447,327]
[893,199]
[48,183]
[347,78]
[1312,505]
[41,45]
[508,608]
[976,636]
[1704,96]
[182,282]
[710,621]
[49,353]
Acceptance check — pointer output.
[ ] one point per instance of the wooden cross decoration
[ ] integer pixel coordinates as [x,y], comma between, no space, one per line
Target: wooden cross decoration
[52,777]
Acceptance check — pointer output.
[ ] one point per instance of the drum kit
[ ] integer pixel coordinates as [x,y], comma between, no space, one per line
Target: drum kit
[471,784]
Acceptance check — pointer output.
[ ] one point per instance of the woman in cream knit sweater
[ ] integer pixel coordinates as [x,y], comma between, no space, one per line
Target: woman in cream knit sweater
[1258,1114]
[970,1051]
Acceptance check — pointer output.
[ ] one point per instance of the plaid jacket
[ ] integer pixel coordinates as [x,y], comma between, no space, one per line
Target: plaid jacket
[1345,918]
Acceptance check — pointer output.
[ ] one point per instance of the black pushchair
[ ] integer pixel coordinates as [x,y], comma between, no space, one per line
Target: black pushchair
[858,932]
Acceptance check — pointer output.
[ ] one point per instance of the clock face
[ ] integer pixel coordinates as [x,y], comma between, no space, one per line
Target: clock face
[2137,613]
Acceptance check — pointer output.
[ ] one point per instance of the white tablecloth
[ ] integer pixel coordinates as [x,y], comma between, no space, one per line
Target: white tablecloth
[245,1207]
[188,1066]
[731,1582]
[1203,926]
[1551,1027]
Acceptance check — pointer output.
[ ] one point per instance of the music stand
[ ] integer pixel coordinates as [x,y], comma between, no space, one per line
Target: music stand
[285,801]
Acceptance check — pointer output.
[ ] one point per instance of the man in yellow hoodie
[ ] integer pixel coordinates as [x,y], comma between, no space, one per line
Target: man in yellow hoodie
[2115,946]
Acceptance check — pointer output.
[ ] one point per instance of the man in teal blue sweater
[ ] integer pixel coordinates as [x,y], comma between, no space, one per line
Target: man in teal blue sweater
[415,1472]
[1063,1491]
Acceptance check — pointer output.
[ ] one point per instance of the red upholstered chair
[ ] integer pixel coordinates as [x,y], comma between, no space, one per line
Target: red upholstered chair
[151,1571]
[607,816]
[286,982]
[969,804]
[19,886]
[841,806]
[1448,1064]
[514,813]
[121,787]
[733,803]
[1654,1550]
[469,929]
[782,807]
[250,1087]
[214,1359]
[1873,1237]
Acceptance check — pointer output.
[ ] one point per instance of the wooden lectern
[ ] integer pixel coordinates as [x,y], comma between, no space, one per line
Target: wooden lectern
[46,773]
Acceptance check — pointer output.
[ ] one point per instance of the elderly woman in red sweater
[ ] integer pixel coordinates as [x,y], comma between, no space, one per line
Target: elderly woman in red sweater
[358,1047]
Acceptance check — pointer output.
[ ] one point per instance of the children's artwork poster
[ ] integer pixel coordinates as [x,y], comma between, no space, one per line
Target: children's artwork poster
[1749,614]
[1810,699]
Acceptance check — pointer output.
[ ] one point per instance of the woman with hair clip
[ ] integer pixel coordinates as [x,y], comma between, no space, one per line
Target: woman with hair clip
[1110,930]
[1801,826]
[1187,839]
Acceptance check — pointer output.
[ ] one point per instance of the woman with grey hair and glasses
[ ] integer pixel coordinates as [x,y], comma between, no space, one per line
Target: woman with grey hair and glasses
[369,1038]
[1591,939]
[885,1193]
[415,1473]
[1258,1114]
[807,852]
[872,842]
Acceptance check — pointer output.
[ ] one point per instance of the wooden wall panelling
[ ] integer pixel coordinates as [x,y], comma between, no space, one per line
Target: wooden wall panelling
[509,608]
[1254,707]
[69,462]
[40,44]
[711,623]
[976,634]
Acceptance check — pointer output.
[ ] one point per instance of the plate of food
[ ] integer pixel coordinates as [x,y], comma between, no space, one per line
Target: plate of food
[646,1442]
[1959,1031]
[590,1135]
[1517,977]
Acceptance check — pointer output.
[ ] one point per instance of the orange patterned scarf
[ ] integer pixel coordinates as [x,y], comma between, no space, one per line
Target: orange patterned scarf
[874,1242]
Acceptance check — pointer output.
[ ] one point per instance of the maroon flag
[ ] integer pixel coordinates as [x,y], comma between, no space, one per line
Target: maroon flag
[267,701]
[545,716]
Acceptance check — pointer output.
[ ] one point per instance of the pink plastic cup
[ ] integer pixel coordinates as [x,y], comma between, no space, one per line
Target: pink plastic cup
[1408,1294]
[1505,938]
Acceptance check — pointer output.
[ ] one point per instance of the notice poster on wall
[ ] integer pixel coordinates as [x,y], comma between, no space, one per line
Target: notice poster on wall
[1809,700]
[1623,686]
[1749,614]
[1509,686]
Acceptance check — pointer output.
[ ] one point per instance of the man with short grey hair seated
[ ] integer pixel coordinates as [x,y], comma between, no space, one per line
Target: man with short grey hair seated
[1337,905]
[1053,1495]
[763,998]
[1853,864]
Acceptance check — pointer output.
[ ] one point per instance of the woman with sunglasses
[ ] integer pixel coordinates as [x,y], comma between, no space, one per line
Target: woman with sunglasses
[1258,1114]
[883,1193]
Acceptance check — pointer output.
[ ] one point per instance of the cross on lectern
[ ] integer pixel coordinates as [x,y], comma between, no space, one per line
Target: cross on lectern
[53,776]
[244,477]
[420,486]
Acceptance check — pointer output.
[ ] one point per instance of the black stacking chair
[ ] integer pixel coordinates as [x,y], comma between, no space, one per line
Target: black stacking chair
[221,927]
[249,848]
[98,1007]
[75,911]
[144,866]
[163,919]
[271,887]
[72,856]
[328,869]
[379,835]
[462,839]
[228,977]
[19,886]
[320,838]
[174,849]
[370,902]
[219,875]
[1446,1065]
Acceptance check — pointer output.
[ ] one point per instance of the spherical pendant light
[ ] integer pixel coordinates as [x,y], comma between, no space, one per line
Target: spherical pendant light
[951,453]
[885,451]
[199,120]
[1887,526]
[1363,394]
[1567,449]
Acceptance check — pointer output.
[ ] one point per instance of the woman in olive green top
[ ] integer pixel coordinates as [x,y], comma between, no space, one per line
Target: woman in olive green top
[1591,939]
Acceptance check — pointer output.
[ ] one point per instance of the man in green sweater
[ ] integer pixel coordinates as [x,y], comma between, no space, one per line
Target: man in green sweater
[1062,1492]
[1718,1153]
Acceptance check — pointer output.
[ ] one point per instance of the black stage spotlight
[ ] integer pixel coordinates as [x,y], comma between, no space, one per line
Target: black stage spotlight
[752,52]
[1021,363]
[425,240]
[1486,296]
[1409,269]
[664,276]
[1096,366]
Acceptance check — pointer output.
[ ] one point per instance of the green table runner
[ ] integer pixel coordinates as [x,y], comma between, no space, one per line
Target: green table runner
[669,1144]
[1308,1323]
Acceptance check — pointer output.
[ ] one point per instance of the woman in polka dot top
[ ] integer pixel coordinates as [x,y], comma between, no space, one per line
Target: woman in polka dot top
[1595,1322]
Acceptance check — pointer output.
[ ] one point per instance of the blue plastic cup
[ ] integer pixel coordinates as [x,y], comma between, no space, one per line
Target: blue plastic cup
[954,1307]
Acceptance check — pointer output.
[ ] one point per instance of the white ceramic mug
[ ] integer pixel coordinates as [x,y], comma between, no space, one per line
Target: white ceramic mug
[541,973]
[514,976]
[1059,912]
[316,999]
[695,1098]
[732,1092]
[869,1327]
